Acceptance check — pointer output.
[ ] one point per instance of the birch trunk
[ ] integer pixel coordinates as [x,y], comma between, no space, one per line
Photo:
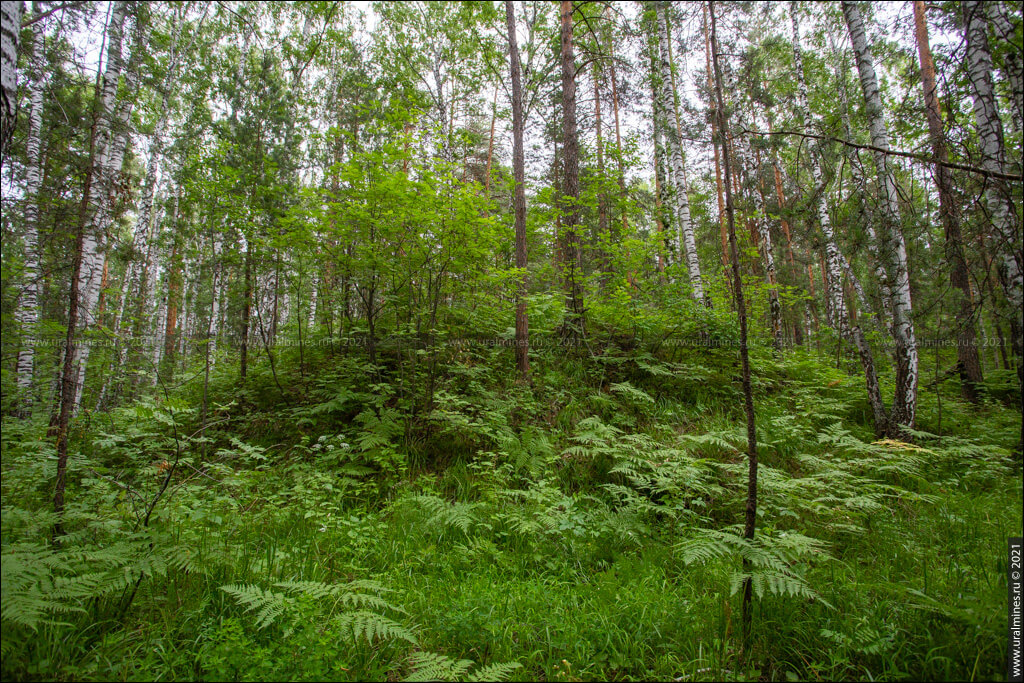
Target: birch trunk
[27,314]
[998,196]
[1012,64]
[10,28]
[832,266]
[678,191]
[894,248]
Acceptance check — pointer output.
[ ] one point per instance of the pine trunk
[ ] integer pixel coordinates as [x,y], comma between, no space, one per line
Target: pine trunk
[519,200]
[967,348]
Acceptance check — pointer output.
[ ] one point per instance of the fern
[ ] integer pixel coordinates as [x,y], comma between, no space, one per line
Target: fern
[430,666]
[355,608]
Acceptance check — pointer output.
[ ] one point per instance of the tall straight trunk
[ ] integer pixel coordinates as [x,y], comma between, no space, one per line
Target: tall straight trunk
[490,145]
[602,197]
[111,141]
[10,29]
[750,519]
[618,143]
[800,326]
[519,201]
[959,277]
[67,375]
[904,409]
[998,195]
[575,326]
[27,314]
[831,270]
[671,131]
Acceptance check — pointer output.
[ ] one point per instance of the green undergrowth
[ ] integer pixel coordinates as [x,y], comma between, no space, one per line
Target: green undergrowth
[345,521]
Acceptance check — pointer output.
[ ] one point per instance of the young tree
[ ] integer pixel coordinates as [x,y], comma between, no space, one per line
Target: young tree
[750,517]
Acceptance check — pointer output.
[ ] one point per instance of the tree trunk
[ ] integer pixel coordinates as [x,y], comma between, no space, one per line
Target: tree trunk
[10,29]
[519,201]
[574,327]
[967,348]
[671,133]
[892,244]
[750,518]
[998,195]
[27,314]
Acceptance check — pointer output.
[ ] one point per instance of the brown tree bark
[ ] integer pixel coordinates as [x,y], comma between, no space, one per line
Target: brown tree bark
[574,327]
[967,349]
[519,197]
[750,519]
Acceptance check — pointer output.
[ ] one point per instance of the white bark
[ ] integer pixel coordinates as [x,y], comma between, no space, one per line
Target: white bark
[833,257]
[1004,30]
[990,135]
[27,314]
[10,28]
[905,403]
[688,245]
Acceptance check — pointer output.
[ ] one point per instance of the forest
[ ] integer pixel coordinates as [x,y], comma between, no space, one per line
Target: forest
[521,340]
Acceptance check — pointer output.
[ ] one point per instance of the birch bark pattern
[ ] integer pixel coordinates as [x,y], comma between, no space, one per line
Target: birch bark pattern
[10,28]
[894,249]
[670,133]
[832,264]
[998,198]
[27,313]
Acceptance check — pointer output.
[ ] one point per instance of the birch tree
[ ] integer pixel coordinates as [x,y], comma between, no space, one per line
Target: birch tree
[670,133]
[833,256]
[892,246]
[27,314]
[10,29]
[998,197]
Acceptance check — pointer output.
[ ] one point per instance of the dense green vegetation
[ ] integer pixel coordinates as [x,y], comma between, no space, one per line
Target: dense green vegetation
[584,528]
[509,341]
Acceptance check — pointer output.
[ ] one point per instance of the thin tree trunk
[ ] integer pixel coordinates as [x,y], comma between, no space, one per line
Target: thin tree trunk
[602,200]
[618,143]
[967,348]
[750,519]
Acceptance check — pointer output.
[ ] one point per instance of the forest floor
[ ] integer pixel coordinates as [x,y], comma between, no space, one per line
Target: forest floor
[317,524]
